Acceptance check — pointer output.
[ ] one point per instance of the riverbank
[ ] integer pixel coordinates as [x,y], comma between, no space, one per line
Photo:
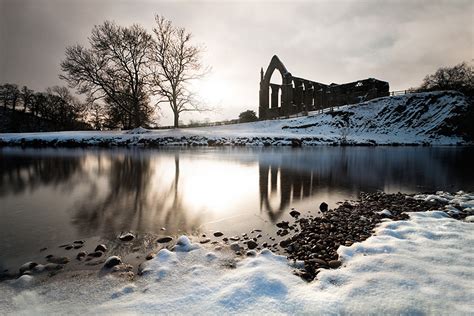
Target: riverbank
[432,118]
[424,262]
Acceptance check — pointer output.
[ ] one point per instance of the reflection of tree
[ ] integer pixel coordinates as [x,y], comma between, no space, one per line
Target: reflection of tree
[28,172]
[134,200]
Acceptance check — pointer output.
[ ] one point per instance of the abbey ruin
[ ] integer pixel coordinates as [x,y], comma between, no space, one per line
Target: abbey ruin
[298,95]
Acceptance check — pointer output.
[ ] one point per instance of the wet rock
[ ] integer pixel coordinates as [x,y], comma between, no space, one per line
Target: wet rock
[112,261]
[43,249]
[204,241]
[78,246]
[225,239]
[81,255]
[334,264]
[251,253]
[295,213]
[323,207]
[53,267]
[65,245]
[218,234]
[150,256]
[48,256]
[282,224]
[101,247]
[95,254]
[252,244]
[79,242]
[235,247]
[58,260]
[164,240]
[121,268]
[68,247]
[27,266]
[127,237]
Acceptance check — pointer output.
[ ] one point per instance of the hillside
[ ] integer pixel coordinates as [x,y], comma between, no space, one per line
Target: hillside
[436,118]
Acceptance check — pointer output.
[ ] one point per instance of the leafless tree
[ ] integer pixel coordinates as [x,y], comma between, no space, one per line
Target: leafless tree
[27,97]
[115,67]
[177,62]
[459,78]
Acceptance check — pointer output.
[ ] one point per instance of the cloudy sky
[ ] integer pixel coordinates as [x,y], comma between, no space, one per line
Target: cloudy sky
[326,41]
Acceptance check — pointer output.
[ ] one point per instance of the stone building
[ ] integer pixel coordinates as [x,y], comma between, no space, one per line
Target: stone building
[299,95]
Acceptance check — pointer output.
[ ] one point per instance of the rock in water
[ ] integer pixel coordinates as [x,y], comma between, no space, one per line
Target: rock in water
[295,213]
[58,260]
[218,234]
[323,207]
[112,261]
[127,237]
[81,255]
[163,240]
[101,247]
[27,266]
[235,247]
[252,244]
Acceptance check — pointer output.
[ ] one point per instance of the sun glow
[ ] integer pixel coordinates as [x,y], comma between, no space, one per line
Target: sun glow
[213,90]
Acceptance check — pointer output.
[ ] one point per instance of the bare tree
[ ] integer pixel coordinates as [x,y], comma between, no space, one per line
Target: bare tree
[459,78]
[177,62]
[115,67]
[27,97]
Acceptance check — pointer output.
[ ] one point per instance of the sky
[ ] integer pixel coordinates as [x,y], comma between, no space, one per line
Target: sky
[326,41]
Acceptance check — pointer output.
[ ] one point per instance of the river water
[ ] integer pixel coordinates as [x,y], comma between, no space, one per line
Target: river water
[51,196]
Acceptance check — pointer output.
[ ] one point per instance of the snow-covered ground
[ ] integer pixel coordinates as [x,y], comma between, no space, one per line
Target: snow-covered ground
[420,266]
[420,118]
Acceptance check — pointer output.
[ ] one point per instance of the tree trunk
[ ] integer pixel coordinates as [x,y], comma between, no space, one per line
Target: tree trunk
[176,119]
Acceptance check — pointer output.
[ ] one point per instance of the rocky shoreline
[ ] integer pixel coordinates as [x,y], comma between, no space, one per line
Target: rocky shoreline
[311,239]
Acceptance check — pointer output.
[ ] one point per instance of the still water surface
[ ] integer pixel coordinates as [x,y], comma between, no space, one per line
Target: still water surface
[52,196]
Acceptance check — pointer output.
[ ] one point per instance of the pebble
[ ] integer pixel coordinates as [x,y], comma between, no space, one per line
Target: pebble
[112,261]
[218,234]
[27,266]
[150,256]
[235,247]
[252,244]
[101,247]
[127,237]
[81,255]
[205,240]
[323,207]
[95,254]
[295,213]
[58,260]
[163,240]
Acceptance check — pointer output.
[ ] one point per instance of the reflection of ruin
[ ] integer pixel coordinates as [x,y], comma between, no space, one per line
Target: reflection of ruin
[288,184]
[295,95]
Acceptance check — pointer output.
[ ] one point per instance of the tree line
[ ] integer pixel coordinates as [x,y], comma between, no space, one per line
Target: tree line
[56,105]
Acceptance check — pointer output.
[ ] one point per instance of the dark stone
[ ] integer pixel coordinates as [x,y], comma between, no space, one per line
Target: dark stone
[95,254]
[163,240]
[282,224]
[80,242]
[323,207]
[205,240]
[334,264]
[218,234]
[150,256]
[101,247]
[295,214]
[78,246]
[81,255]
[27,266]
[252,244]
[127,237]
[112,261]
[58,260]
[68,247]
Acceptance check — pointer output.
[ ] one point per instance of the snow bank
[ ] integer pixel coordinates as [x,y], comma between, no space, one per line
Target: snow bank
[420,118]
[423,265]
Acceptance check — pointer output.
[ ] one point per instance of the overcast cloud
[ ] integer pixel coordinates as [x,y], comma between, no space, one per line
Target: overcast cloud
[325,41]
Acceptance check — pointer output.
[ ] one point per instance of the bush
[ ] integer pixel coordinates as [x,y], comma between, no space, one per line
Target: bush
[248,116]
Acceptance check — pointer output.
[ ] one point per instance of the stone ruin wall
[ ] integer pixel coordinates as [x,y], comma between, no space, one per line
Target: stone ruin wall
[298,95]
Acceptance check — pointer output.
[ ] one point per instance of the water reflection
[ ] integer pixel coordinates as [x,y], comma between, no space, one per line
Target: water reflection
[51,195]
